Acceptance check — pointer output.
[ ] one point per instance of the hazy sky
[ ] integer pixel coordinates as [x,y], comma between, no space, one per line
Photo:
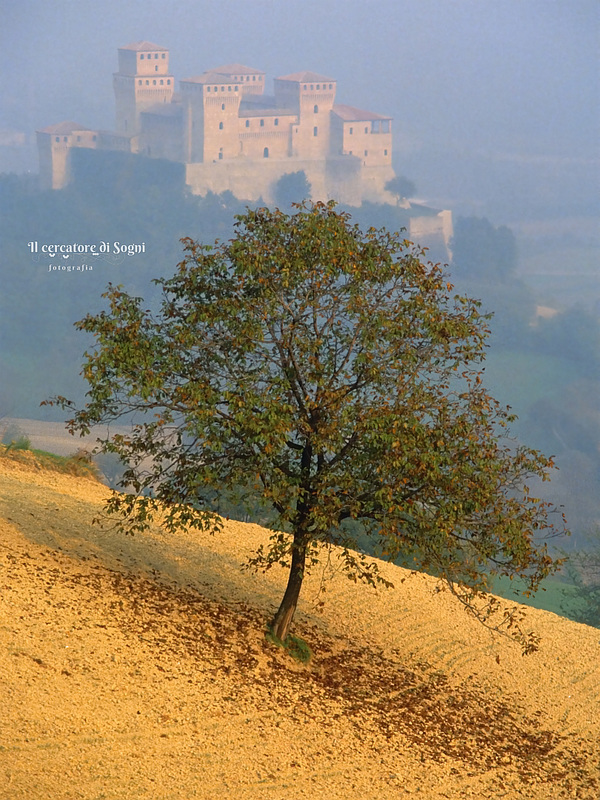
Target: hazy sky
[515,81]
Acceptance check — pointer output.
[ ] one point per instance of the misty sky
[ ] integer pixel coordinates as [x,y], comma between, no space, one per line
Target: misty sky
[514,83]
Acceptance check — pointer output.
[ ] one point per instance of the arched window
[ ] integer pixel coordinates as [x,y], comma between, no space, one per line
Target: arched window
[266,152]
[220,126]
[316,109]
[315,131]
[222,106]
[247,123]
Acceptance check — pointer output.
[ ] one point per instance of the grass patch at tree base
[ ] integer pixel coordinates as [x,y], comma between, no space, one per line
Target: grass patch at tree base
[294,645]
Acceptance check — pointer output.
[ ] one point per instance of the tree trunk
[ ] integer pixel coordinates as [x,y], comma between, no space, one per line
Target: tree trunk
[285,614]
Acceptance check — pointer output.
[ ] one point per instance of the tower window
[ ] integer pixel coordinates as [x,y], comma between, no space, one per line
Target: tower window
[316,109]
[222,106]
[276,122]
[331,85]
[262,123]
[351,131]
[163,55]
[169,82]
[318,85]
[58,138]
[140,83]
[154,83]
[247,123]
[385,153]
[366,152]
[147,83]
[220,126]
[156,68]
[366,130]
[254,77]
[229,88]
[312,87]
[305,87]
[222,88]
[162,82]
[141,56]
[266,152]
[221,153]
[155,55]
[315,131]
[236,88]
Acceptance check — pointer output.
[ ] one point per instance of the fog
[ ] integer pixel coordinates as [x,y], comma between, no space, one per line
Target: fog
[495,102]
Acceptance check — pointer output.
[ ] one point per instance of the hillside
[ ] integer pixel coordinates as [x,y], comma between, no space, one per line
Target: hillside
[137,668]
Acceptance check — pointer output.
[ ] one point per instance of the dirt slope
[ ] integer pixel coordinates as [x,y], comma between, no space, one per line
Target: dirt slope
[137,668]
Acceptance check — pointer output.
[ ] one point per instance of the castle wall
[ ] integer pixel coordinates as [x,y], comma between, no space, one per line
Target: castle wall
[262,129]
[330,179]
[433,232]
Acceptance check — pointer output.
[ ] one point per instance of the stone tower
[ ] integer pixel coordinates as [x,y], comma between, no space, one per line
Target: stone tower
[142,81]
[212,108]
[312,97]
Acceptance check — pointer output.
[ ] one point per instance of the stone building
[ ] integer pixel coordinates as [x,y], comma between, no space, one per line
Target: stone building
[230,134]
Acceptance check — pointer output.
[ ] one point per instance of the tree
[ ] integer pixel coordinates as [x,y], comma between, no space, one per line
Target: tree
[401,187]
[479,250]
[329,372]
[293,187]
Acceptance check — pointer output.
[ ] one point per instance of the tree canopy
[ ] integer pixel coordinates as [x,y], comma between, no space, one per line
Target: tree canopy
[332,373]
[402,187]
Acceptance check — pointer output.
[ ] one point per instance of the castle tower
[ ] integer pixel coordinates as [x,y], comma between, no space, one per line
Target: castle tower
[312,97]
[54,147]
[143,80]
[212,103]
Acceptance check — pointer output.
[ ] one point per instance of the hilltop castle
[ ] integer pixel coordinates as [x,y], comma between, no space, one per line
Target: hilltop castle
[230,135]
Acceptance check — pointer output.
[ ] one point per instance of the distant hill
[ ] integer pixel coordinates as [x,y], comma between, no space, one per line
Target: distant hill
[137,667]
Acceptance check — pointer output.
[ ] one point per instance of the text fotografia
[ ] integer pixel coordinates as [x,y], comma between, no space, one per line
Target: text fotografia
[70,267]
[98,249]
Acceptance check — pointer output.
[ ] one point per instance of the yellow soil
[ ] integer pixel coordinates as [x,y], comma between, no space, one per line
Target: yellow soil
[137,668]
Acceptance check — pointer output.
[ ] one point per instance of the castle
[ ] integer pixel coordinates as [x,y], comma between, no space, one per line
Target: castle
[230,135]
